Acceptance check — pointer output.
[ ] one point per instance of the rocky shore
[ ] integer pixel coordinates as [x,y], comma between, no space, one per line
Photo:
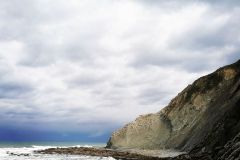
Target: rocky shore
[118,154]
[100,152]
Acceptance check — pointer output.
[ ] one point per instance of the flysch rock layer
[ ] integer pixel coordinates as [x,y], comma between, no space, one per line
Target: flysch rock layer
[202,118]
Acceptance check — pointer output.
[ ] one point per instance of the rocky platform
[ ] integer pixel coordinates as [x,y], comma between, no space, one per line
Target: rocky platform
[117,154]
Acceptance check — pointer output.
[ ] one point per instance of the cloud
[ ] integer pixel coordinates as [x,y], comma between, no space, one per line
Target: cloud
[201,37]
[11,90]
[89,67]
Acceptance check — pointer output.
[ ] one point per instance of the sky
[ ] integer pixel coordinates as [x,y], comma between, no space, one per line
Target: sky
[79,69]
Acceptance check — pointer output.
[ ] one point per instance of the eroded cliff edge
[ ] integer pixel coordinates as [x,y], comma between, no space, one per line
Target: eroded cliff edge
[203,117]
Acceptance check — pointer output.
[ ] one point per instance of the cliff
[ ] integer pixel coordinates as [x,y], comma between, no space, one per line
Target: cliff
[202,118]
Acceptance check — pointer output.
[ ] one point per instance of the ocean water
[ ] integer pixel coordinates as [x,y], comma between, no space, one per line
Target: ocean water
[25,151]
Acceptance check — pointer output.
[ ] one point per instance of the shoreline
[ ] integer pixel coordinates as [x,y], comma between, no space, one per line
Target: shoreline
[123,154]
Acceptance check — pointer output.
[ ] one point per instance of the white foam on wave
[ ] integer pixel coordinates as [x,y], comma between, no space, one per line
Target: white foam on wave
[27,153]
[87,146]
[37,147]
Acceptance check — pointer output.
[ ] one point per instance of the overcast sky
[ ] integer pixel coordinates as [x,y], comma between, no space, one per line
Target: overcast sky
[86,66]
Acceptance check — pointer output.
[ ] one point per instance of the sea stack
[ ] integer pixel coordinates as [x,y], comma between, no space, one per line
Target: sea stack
[202,118]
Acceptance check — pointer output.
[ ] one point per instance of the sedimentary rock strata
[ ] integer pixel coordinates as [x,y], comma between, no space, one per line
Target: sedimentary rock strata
[203,117]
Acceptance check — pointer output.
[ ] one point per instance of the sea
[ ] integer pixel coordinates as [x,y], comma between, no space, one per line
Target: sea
[25,151]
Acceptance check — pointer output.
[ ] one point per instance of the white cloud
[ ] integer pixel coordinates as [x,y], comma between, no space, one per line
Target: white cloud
[90,66]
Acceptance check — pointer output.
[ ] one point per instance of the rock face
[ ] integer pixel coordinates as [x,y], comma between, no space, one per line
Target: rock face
[230,151]
[202,118]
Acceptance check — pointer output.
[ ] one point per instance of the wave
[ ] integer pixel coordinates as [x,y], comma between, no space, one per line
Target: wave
[46,147]
[27,153]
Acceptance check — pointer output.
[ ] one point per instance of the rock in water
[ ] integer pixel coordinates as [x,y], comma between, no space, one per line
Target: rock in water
[203,117]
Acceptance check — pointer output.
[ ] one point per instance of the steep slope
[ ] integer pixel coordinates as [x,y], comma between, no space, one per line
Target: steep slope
[203,117]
